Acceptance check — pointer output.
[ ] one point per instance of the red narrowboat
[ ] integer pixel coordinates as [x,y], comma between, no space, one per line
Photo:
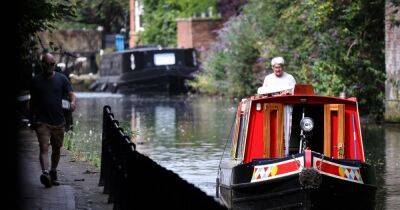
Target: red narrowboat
[299,151]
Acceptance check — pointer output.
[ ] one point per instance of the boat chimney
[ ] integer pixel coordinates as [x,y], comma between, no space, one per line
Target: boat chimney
[342,94]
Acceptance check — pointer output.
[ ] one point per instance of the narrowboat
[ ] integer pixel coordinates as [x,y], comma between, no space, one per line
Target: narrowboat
[298,151]
[149,68]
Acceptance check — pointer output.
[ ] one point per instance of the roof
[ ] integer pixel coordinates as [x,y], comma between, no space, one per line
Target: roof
[304,94]
[304,99]
[151,48]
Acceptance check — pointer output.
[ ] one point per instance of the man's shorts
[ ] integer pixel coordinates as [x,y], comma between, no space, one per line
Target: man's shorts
[49,133]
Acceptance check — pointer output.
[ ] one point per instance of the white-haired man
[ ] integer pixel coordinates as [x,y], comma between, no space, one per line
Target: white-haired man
[278,82]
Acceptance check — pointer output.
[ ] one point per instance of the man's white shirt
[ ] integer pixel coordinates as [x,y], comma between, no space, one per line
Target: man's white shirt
[273,84]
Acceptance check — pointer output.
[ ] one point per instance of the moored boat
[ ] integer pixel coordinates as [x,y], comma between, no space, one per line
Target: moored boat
[147,69]
[300,151]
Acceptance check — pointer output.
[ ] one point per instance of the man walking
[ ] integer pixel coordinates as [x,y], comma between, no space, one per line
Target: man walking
[48,89]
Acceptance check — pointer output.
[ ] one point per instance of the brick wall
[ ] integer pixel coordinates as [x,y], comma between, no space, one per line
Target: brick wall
[198,33]
[132,33]
[184,33]
[392,60]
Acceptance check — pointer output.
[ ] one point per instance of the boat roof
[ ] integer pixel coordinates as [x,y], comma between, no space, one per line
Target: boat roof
[305,99]
[303,94]
[151,48]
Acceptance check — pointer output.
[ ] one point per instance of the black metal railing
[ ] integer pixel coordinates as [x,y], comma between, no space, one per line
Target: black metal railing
[134,181]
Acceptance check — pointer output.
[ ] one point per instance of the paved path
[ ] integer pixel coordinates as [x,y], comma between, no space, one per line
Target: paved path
[78,189]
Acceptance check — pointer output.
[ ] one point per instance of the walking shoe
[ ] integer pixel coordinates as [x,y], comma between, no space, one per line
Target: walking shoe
[45,179]
[54,178]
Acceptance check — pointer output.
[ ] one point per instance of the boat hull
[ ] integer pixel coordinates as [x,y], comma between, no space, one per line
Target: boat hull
[146,70]
[173,80]
[288,193]
[310,184]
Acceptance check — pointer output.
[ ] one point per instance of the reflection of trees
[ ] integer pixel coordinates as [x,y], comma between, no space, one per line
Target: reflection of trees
[213,118]
[165,123]
[153,119]
[392,177]
[374,149]
[197,119]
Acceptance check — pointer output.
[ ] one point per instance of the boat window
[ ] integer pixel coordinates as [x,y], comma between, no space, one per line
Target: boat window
[287,118]
[239,141]
[132,59]
[239,132]
[315,138]
[194,58]
[273,130]
[229,147]
[164,59]
[334,117]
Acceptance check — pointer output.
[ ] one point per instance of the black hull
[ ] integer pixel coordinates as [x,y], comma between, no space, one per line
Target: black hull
[146,70]
[314,185]
[171,81]
[164,83]
[288,193]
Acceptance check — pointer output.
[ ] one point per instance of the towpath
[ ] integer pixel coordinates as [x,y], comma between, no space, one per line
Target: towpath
[79,180]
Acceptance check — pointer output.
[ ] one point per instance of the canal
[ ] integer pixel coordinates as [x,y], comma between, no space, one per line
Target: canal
[187,134]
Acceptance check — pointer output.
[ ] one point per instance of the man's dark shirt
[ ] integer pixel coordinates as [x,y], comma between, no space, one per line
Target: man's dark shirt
[47,95]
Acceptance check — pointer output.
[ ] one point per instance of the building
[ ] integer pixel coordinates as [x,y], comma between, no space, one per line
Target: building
[195,32]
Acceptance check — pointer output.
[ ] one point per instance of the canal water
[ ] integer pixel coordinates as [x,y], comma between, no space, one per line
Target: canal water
[187,134]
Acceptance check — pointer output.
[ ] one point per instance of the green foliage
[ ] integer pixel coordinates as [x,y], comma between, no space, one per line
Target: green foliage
[212,78]
[111,14]
[159,18]
[36,16]
[126,126]
[189,8]
[41,15]
[83,144]
[335,45]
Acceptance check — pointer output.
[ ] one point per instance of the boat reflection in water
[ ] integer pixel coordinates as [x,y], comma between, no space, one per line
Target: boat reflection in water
[299,151]
[164,122]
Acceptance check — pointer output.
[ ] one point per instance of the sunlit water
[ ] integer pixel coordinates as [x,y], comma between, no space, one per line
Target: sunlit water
[187,134]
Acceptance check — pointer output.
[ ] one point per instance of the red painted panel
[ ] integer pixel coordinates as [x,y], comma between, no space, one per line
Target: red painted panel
[348,135]
[359,146]
[353,149]
[334,134]
[255,136]
[287,167]
[328,168]
[273,132]
[308,158]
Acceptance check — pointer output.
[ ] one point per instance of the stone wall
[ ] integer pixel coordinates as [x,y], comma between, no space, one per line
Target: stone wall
[74,40]
[82,43]
[392,60]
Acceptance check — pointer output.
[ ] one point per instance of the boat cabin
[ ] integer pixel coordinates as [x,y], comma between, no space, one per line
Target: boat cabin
[299,151]
[146,69]
[269,127]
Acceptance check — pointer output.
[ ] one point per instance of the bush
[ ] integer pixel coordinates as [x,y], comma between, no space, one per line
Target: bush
[334,45]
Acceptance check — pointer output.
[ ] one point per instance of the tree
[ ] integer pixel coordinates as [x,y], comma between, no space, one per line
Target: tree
[111,14]
[33,17]
[229,8]
[334,45]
